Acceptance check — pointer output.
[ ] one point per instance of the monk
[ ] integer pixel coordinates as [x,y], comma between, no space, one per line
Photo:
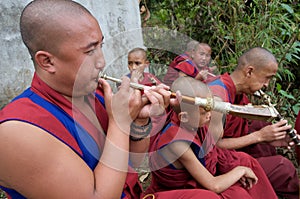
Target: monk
[69,135]
[255,68]
[194,63]
[183,155]
[137,63]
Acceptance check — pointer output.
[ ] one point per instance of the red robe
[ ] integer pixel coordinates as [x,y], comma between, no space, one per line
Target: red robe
[158,123]
[280,171]
[297,128]
[182,63]
[43,118]
[217,161]
[297,123]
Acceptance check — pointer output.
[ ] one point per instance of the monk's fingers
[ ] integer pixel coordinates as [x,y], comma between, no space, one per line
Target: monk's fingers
[136,75]
[125,85]
[284,128]
[249,183]
[106,89]
[166,97]
[243,181]
[157,106]
[159,91]
[280,135]
[280,123]
[176,101]
[163,86]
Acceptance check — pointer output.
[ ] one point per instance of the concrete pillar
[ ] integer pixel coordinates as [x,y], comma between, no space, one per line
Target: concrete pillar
[119,21]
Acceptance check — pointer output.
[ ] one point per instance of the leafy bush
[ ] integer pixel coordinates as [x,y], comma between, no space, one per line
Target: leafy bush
[230,28]
[2,195]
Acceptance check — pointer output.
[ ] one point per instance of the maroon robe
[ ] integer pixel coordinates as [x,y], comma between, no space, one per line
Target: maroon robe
[217,161]
[181,63]
[297,128]
[280,171]
[148,80]
[23,109]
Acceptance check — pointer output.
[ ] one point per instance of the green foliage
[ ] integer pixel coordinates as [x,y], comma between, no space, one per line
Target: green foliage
[2,195]
[233,26]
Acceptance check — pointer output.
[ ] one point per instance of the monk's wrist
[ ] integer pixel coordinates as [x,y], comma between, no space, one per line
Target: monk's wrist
[138,132]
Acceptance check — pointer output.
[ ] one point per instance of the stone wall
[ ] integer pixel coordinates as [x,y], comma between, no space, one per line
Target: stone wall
[119,21]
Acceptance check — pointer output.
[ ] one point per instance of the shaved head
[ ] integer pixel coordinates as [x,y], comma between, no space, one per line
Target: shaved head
[257,57]
[42,22]
[192,45]
[140,50]
[205,45]
[191,87]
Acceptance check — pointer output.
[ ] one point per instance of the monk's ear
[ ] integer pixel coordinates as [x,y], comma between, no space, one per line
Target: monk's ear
[249,71]
[147,63]
[183,117]
[44,60]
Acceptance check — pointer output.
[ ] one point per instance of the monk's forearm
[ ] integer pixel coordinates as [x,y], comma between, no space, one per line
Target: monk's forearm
[223,182]
[239,142]
[111,171]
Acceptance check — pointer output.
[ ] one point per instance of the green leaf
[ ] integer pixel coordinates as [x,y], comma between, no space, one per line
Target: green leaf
[278,87]
[296,108]
[287,95]
[288,8]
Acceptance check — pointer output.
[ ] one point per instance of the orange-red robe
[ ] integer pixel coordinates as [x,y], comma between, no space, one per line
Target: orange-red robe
[217,161]
[280,171]
[297,128]
[45,108]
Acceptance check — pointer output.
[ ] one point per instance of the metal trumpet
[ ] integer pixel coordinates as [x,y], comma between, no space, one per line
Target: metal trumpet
[206,103]
[267,99]
[209,104]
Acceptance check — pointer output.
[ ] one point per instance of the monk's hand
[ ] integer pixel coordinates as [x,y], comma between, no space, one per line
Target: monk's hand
[123,106]
[203,74]
[282,139]
[287,142]
[291,142]
[273,132]
[177,100]
[136,75]
[249,178]
[157,100]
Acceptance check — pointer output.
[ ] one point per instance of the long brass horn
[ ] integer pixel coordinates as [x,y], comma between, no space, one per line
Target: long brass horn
[250,112]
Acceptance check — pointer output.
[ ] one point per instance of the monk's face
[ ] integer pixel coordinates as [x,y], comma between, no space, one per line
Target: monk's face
[80,57]
[260,78]
[199,117]
[205,117]
[137,61]
[202,56]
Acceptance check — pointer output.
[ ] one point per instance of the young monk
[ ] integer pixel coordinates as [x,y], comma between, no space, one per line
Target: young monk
[194,62]
[68,135]
[182,155]
[204,59]
[137,63]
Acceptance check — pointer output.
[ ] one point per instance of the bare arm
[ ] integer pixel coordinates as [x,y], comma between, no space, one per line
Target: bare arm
[160,99]
[202,75]
[217,184]
[38,165]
